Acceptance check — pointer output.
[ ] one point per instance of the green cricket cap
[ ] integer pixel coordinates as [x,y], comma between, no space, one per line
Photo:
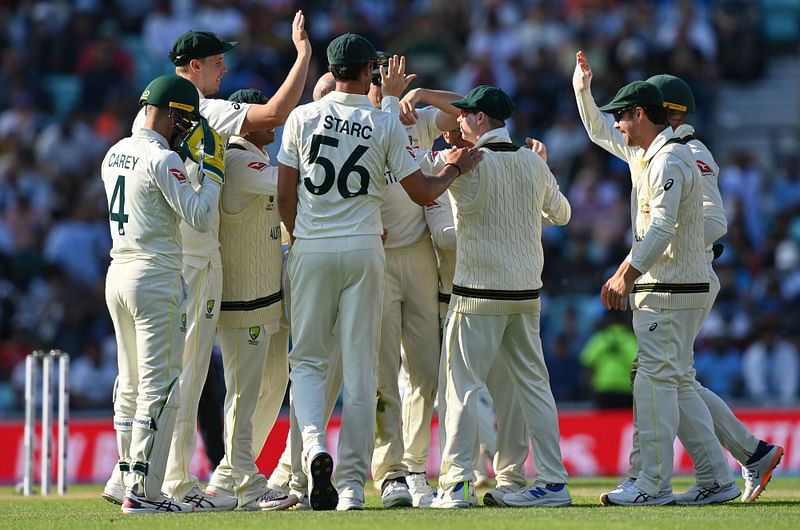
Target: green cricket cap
[196,44]
[636,94]
[173,92]
[248,95]
[350,49]
[676,92]
[488,99]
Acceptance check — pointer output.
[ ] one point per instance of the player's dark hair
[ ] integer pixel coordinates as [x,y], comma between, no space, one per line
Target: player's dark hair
[495,123]
[346,72]
[656,114]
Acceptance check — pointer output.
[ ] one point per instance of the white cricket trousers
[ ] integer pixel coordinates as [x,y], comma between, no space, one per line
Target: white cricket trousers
[248,379]
[410,315]
[665,384]
[289,471]
[730,431]
[337,278]
[202,312]
[510,439]
[145,305]
[472,344]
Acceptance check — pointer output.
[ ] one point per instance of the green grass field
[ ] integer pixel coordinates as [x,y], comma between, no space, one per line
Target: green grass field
[83,508]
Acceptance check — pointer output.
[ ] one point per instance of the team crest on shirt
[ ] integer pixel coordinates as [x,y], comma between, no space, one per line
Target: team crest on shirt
[644,207]
[183,323]
[258,166]
[210,308]
[270,203]
[254,333]
[704,168]
[178,174]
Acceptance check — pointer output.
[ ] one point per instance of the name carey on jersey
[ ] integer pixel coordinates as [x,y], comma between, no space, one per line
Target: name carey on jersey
[346,127]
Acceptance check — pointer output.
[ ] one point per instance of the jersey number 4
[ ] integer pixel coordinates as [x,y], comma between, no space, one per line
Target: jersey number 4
[119,216]
[348,167]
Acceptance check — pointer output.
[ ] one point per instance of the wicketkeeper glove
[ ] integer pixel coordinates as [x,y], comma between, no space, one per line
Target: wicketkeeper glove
[211,157]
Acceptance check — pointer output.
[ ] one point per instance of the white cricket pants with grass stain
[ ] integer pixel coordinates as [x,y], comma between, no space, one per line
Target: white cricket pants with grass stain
[337,278]
[730,431]
[410,315]
[472,344]
[664,384]
[145,307]
[204,289]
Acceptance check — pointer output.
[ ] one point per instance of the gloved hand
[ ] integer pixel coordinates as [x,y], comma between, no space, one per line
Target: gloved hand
[212,162]
[211,158]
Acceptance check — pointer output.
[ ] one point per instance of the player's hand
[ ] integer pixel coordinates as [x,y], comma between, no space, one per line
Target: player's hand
[582,77]
[213,154]
[614,293]
[408,107]
[537,147]
[299,35]
[190,146]
[465,158]
[394,79]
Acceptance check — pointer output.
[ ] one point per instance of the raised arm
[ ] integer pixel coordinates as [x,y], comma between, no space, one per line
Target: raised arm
[599,125]
[275,112]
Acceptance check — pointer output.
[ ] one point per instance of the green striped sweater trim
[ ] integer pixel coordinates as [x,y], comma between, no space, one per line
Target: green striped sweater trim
[497,294]
[671,288]
[252,305]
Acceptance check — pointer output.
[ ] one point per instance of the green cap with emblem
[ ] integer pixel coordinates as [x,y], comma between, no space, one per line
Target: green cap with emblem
[676,92]
[350,49]
[196,44]
[173,92]
[636,94]
[488,99]
[248,95]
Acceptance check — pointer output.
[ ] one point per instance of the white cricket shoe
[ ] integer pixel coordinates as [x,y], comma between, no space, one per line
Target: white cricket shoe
[210,502]
[758,474]
[136,504]
[303,502]
[495,497]
[322,494]
[462,495]
[270,500]
[421,492]
[347,504]
[395,493]
[114,490]
[630,495]
[699,496]
[552,495]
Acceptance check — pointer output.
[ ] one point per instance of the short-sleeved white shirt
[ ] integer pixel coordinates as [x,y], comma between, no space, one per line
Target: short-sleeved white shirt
[342,145]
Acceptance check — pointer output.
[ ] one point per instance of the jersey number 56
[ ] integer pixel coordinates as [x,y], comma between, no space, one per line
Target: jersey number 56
[348,167]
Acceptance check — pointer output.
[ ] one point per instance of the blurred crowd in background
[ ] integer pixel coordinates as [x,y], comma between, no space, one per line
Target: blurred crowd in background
[72,71]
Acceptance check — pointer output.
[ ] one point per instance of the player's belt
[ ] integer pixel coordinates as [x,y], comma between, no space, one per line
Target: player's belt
[444,298]
[671,288]
[252,305]
[496,294]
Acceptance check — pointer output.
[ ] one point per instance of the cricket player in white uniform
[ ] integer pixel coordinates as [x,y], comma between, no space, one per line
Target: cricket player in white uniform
[251,311]
[758,458]
[148,194]
[667,273]
[199,57]
[410,308]
[510,441]
[288,475]
[330,186]
[494,308]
